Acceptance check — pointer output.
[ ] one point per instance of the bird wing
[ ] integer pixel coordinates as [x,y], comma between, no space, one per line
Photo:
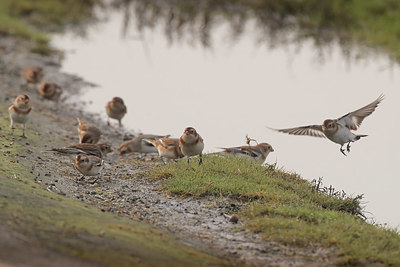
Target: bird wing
[311,130]
[241,150]
[354,119]
[168,142]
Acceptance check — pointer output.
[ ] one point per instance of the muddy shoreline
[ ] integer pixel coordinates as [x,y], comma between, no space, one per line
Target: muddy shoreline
[123,189]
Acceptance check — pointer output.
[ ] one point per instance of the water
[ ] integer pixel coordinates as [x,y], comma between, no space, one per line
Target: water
[239,88]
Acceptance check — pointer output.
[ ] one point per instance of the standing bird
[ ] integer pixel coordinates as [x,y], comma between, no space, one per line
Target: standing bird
[191,144]
[137,144]
[258,152]
[167,147]
[98,150]
[338,130]
[19,111]
[32,74]
[88,133]
[88,165]
[50,91]
[116,109]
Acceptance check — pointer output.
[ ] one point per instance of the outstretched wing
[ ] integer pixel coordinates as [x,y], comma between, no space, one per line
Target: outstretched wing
[354,119]
[310,130]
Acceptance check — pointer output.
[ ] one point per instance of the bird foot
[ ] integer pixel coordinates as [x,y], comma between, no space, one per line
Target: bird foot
[342,150]
[348,147]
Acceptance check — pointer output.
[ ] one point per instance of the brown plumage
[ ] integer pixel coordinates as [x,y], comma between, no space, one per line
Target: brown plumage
[32,74]
[88,133]
[116,109]
[167,147]
[137,144]
[191,144]
[98,150]
[50,91]
[19,111]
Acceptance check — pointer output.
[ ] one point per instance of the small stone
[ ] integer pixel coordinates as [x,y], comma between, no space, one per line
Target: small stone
[234,218]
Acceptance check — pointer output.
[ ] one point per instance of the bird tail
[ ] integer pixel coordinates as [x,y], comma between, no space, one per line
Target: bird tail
[361,135]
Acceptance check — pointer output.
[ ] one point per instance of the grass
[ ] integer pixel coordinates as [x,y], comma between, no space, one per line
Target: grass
[71,227]
[284,208]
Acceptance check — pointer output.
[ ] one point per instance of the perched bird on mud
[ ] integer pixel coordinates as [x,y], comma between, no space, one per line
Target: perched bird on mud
[116,109]
[167,147]
[88,133]
[98,150]
[137,144]
[50,91]
[32,74]
[88,165]
[19,111]
[191,144]
[338,130]
[258,152]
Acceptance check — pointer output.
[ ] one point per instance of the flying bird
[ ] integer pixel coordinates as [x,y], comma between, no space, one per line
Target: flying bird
[338,130]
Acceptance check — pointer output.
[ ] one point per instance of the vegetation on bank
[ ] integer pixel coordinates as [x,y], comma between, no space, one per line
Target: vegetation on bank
[31,20]
[71,227]
[285,208]
[371,23]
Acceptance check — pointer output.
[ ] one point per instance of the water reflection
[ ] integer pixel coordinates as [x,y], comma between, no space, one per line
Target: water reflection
[232,90]
[276,24]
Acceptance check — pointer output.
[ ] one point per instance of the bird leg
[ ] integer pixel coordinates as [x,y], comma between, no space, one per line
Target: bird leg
[342,150]
[188,161]
[348,147]
[119,123]
[201,159]
[23,131]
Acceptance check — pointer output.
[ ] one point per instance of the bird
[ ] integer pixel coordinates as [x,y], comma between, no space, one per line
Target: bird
[167,147]
[258,152]
[116,109]
[88,133]
[19,111]
[191,144]
[98,150]
[338,130]
[88,165]
[50,91]
[137,144]
[32,74]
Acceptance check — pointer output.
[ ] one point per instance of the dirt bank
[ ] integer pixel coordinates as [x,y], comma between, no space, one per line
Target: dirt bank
[123,189]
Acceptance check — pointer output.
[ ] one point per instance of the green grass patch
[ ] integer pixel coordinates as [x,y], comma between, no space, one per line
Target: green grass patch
[285,208]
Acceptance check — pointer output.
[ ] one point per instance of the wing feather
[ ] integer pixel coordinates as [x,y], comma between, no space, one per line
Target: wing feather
[310,130]
[353,120]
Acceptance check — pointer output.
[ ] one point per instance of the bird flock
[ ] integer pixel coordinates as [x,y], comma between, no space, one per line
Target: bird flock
[89,153]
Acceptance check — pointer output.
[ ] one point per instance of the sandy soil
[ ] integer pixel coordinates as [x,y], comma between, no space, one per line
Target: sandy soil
[123,189]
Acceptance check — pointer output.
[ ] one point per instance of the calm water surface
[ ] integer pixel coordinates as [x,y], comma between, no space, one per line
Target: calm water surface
[239,88]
